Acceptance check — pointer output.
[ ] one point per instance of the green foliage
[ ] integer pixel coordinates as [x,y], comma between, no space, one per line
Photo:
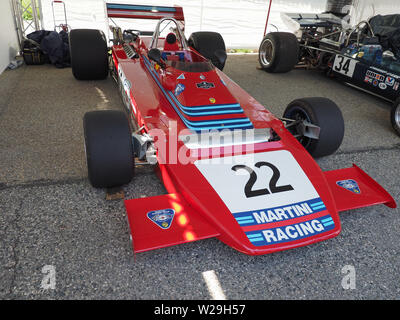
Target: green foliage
[27,15]
[241,51]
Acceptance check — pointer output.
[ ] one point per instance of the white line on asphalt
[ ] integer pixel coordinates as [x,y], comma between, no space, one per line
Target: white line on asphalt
[214,287]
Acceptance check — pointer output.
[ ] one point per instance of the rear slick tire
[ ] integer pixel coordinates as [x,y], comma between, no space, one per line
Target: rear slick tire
[278,52]
[211,45]
[89,54]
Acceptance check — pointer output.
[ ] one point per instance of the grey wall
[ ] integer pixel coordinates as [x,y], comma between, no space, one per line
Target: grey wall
[8,35]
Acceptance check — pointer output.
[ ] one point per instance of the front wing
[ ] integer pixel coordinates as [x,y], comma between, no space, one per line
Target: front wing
[167,220]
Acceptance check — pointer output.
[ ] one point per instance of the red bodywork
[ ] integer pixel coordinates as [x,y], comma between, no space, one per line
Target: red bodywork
[204,206]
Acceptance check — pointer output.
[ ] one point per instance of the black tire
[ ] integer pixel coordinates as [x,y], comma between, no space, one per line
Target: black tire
[109,150]
[211,45]
[89,54]
[278,52]
[323,113]
[395,116]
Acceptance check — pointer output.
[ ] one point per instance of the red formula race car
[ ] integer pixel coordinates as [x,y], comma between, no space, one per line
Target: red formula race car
[232,169]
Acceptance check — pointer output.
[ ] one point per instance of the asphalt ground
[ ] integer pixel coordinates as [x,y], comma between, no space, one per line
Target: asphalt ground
[50,215]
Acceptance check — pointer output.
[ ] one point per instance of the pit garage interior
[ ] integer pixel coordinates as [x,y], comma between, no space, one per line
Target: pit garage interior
[50,215]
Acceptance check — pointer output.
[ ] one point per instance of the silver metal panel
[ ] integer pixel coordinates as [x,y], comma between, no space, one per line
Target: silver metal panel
[225,138]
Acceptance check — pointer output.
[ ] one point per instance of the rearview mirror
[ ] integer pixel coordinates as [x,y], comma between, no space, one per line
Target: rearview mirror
[388,54]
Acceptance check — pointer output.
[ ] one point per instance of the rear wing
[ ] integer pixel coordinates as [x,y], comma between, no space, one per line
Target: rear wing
[115,10]
[314,20]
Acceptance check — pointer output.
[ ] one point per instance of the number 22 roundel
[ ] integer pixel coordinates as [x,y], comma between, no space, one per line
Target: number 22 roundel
[257,181]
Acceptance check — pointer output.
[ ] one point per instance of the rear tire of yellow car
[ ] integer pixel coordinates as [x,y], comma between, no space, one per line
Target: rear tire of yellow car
[395,116]
[278,52]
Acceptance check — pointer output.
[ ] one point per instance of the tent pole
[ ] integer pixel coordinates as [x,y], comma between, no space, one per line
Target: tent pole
[269,11]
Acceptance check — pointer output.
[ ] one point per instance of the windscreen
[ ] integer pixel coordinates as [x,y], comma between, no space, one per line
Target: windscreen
[203,66]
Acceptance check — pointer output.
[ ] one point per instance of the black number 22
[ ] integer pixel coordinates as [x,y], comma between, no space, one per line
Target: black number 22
[273,188]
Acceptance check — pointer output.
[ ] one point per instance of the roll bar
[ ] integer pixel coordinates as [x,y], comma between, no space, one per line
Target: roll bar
[181,37]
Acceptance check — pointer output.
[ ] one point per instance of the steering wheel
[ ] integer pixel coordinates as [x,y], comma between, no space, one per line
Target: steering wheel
[130,35]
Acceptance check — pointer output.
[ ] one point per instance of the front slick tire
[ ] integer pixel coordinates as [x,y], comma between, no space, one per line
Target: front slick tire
[109,150]
[323,113]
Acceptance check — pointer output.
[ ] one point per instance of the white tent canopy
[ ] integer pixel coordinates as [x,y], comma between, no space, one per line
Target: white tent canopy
[241,22]
[364,9]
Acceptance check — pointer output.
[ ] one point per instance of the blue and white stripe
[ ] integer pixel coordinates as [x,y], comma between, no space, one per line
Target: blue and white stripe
[255,237]
[327,221]
[317,206]
[139,8]
[245,220]
[209,110]
[240,123]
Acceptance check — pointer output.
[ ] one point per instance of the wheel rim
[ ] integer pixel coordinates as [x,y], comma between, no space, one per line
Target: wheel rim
[397,116]
[266,52]
[297,113]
